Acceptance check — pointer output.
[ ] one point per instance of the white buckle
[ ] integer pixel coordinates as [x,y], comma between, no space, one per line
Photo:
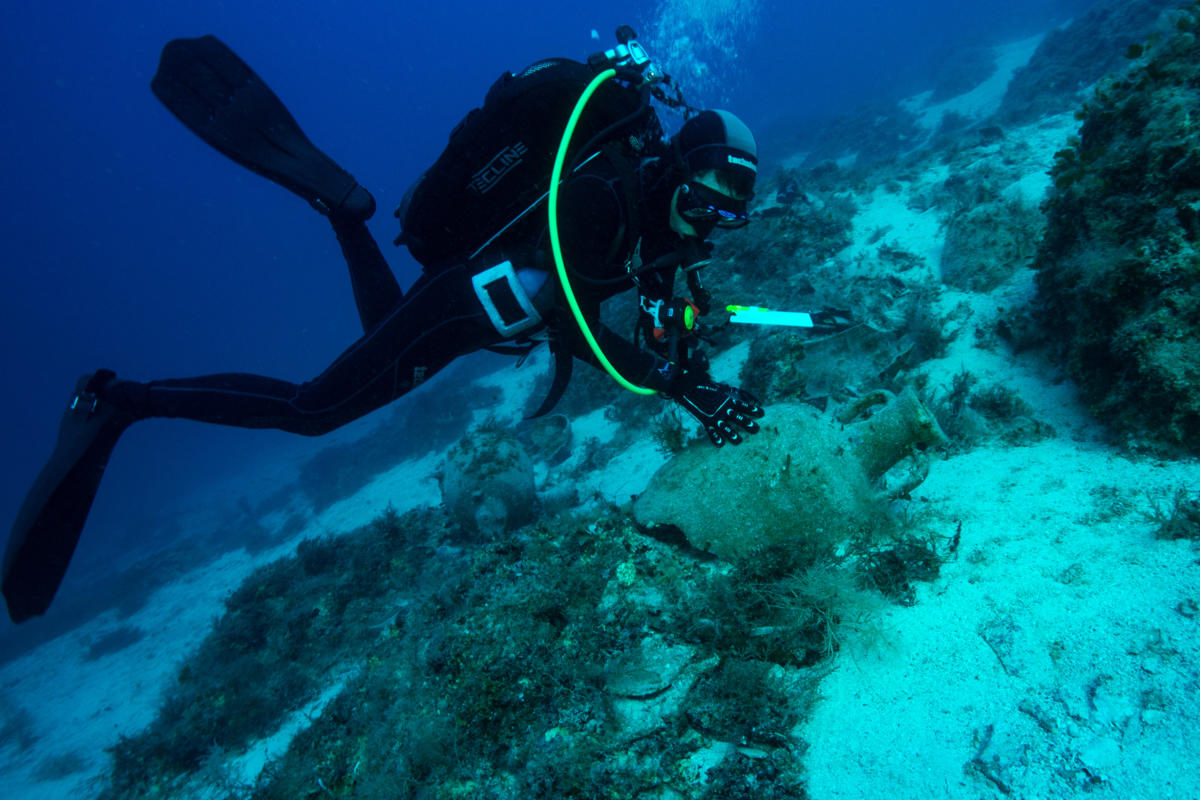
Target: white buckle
[504,272]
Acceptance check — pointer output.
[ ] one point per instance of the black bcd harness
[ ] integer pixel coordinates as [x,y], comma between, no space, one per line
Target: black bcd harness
[488,184]
[496,167]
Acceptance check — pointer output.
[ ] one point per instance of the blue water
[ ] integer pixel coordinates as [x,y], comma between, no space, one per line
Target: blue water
[130,244]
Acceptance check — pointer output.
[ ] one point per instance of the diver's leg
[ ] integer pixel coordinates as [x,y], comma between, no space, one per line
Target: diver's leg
[439,320]
[376,292]
[221,99]
[48,523]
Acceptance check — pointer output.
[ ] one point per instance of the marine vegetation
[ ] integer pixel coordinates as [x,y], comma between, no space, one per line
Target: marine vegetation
[284,632]
[1178,517]
[1119,268]
[571,658]
[970,415]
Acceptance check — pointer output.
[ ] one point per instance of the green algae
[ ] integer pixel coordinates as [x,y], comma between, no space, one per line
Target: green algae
[1119,268]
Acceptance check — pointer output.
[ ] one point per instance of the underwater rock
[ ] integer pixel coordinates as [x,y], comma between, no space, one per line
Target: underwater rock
[1077,55]
[873,133]
[985,244]
[809,229]
[487,484]
[804,476]
[1118,285]
[961,70]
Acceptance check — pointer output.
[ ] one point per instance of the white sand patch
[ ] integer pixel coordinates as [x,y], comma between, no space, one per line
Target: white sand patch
[626,475]
[726,366]
[1038,655]
[1030,189]
[1043,139]
[1054,401]
[81,707]
[244,770]
[516,385]
[594,425]
[408,485]
[984,100]
[906,214]
[885,217]
[1055,654]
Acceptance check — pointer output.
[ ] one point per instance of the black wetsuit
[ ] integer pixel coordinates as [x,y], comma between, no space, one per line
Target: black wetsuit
[410,336]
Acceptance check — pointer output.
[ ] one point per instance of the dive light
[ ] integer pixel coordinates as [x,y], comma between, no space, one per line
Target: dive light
[756,315]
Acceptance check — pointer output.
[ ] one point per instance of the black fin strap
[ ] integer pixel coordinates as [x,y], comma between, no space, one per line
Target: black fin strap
[564,364]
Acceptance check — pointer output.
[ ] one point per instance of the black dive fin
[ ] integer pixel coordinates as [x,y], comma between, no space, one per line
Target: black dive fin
[564,363]
[221,100]
[47,529]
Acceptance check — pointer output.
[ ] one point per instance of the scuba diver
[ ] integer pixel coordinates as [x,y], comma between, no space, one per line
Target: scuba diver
[559,193]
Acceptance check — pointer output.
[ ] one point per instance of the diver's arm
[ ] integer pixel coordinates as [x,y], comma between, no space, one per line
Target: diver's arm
[638,366]
[593,227]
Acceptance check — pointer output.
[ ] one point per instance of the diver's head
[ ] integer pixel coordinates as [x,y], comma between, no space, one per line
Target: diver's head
[718,158]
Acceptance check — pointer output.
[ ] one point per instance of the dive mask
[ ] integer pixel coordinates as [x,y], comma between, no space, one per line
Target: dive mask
[702,207]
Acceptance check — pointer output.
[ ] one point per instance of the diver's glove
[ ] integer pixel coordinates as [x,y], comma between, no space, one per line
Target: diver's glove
[719,407]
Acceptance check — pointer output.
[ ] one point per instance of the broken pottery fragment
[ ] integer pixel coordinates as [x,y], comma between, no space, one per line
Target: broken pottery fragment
[646,671]
[649,684]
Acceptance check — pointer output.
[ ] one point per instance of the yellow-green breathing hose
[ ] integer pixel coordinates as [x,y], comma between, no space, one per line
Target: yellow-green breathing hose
[556,247]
